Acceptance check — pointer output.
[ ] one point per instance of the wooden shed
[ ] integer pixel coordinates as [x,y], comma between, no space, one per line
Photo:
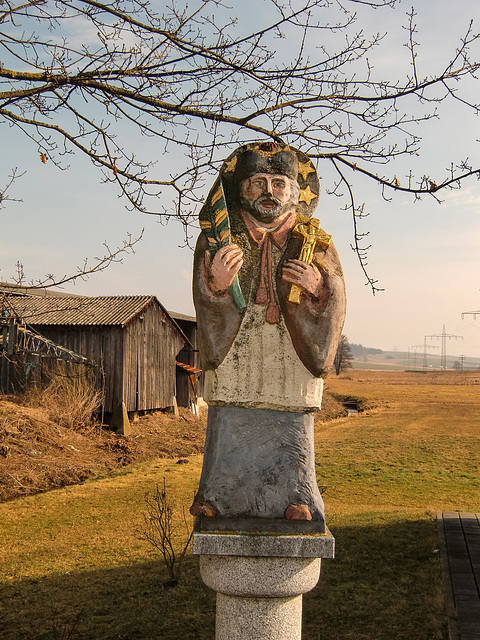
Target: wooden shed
[133,340]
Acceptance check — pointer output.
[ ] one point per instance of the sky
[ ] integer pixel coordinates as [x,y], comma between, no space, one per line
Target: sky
[424,255]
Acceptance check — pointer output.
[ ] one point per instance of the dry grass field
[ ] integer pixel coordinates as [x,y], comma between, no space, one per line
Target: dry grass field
[39,454]
[73,560]
[415,450]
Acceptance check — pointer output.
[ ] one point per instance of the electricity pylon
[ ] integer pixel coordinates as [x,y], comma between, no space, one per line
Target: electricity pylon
[471,313]
[415,347]
[425,347]
[444,336]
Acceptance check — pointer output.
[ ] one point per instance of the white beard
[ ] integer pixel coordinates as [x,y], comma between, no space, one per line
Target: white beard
[254,207]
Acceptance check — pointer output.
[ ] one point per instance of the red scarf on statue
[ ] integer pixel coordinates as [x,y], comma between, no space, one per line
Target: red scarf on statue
[263,237]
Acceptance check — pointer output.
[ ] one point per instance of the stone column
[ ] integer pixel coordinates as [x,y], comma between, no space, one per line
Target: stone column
[259,580]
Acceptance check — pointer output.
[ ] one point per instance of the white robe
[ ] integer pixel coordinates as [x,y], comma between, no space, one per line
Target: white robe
[262,370]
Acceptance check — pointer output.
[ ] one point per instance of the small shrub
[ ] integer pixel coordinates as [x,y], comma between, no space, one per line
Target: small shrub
[160,531]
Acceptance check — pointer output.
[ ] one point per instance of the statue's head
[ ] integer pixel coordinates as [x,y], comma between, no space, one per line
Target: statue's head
[267,179]
[268,196]
[264,178]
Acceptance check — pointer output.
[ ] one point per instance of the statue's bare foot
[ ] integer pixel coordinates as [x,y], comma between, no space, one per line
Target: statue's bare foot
[202,509]
[298,512]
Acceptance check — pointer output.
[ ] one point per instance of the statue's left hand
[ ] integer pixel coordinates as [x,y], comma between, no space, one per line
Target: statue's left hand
[306,276]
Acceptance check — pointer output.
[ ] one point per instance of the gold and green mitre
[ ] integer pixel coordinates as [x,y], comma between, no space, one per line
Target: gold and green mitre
[222,201]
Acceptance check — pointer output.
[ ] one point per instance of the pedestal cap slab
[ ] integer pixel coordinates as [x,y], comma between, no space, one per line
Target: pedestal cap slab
[264,545]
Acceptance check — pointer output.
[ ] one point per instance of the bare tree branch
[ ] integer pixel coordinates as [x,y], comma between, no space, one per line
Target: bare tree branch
[195,83]
[4,191]
[358,237]
[83,271]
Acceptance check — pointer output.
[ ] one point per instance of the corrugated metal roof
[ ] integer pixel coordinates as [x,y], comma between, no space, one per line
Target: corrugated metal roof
[78,310]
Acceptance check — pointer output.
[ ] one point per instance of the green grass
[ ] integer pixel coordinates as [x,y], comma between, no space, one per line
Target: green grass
[77,552]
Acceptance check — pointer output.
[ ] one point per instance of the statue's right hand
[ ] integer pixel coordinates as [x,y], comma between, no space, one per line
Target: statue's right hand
[222,270]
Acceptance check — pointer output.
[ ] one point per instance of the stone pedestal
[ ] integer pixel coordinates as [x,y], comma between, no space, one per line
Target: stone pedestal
[259,580]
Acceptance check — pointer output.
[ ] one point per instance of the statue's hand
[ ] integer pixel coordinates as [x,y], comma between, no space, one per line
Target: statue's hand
[305,276]
[222,270]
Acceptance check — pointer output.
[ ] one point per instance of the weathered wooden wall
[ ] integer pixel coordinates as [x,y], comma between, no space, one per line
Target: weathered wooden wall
[151,343]
[103,345]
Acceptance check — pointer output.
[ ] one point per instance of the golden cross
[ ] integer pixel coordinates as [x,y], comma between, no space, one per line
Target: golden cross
[308,229]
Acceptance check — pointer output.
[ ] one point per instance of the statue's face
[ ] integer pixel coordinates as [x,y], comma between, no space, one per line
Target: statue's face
[268,196]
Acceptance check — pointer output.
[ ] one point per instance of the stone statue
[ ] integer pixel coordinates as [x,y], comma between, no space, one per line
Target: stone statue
[270,301]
